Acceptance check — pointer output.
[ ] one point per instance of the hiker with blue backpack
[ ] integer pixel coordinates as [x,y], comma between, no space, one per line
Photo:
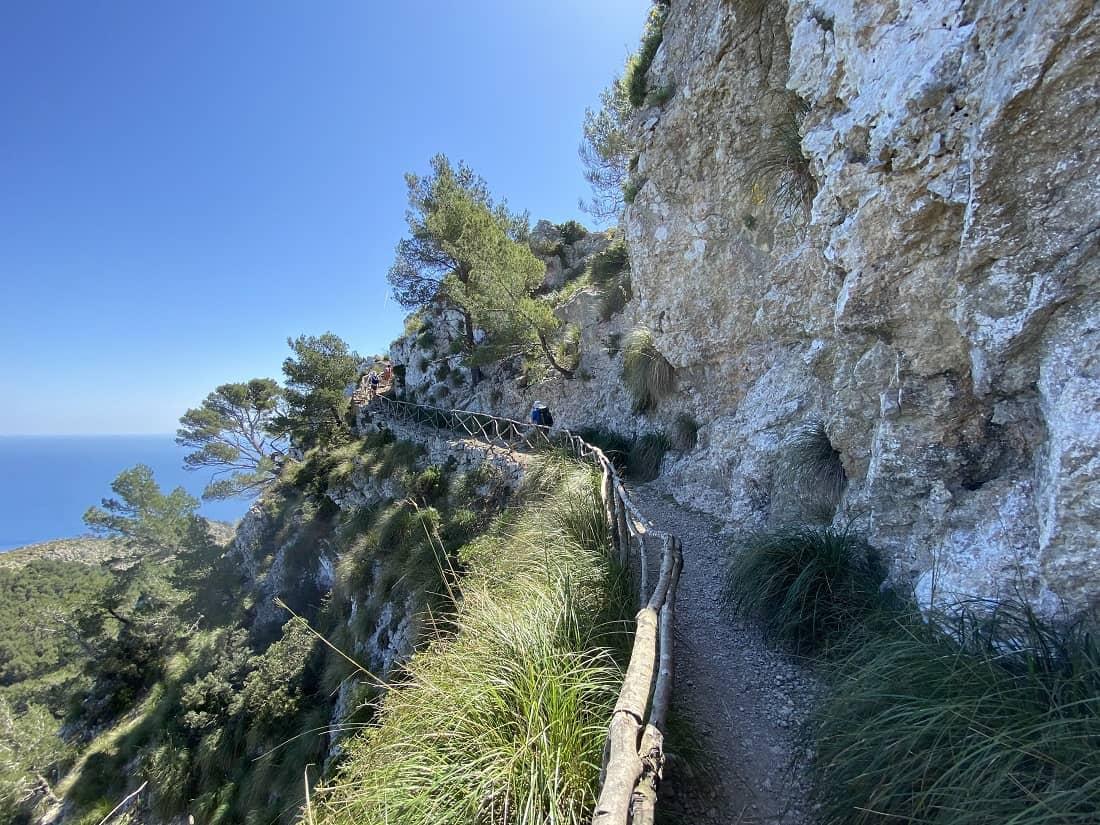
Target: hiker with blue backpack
[541,417]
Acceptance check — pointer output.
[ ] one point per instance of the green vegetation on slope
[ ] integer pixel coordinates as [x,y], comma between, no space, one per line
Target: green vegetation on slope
[502,718]
[231,710]
[39,656]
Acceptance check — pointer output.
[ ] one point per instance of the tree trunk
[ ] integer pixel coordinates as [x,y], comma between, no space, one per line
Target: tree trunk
[550,357]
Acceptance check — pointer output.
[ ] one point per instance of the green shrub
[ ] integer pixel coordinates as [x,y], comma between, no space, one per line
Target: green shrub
[96,813]
[609,263]
[644,461]
[634,76]
[639,458]
[631,189]
[460,526]
[422,364]
[685,432]
[414,323]
[647,374]
[808,586]
[614,445]
[426,338]
[987,717]
[442,371]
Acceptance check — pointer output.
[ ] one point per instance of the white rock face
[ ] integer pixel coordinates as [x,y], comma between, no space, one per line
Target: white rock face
[936,304]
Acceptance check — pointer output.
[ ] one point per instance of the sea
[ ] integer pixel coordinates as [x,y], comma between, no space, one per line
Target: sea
[47,482]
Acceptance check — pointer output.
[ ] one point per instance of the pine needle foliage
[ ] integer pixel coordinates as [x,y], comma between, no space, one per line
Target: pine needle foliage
[647,374]
[992,716]
[503,720]
[810,587]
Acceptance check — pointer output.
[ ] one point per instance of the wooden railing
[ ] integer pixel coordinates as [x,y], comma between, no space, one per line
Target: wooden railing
[633,758]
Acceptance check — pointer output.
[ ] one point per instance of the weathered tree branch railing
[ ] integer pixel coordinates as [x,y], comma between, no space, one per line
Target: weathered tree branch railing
[633,758]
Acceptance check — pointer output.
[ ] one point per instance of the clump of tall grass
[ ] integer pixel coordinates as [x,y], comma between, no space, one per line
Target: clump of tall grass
[569,347]
[990,716]
[615,446]
[780,167]
[647,374]
[639,458]
[610,262]
[685,432]
[631,188]
[809,586]
[503,719]
[614,296]
[644,460]
[811,469]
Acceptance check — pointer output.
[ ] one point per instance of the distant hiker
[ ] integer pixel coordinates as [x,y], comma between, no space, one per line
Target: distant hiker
[387,373]
[541,417]
[373,384]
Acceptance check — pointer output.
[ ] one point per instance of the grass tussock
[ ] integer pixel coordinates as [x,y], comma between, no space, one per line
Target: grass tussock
[614,296]
[611,262]
[685,433]
[647,374]
[502,720]
[811,469]
[638,458]
[810,587]
[644,460]
[780,166]
[991,716]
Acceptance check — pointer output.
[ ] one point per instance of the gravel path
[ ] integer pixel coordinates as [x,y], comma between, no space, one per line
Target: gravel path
[743,701]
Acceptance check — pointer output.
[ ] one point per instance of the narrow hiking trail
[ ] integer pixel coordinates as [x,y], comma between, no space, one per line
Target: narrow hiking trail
[745,701]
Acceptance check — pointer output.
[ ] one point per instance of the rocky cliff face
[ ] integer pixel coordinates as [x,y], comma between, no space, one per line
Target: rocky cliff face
[932,297]
[881,216]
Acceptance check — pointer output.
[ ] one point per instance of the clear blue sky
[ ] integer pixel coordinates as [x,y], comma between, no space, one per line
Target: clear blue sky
[185,184]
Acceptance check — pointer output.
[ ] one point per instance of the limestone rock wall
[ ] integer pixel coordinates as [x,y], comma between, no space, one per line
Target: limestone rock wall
[934,302]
